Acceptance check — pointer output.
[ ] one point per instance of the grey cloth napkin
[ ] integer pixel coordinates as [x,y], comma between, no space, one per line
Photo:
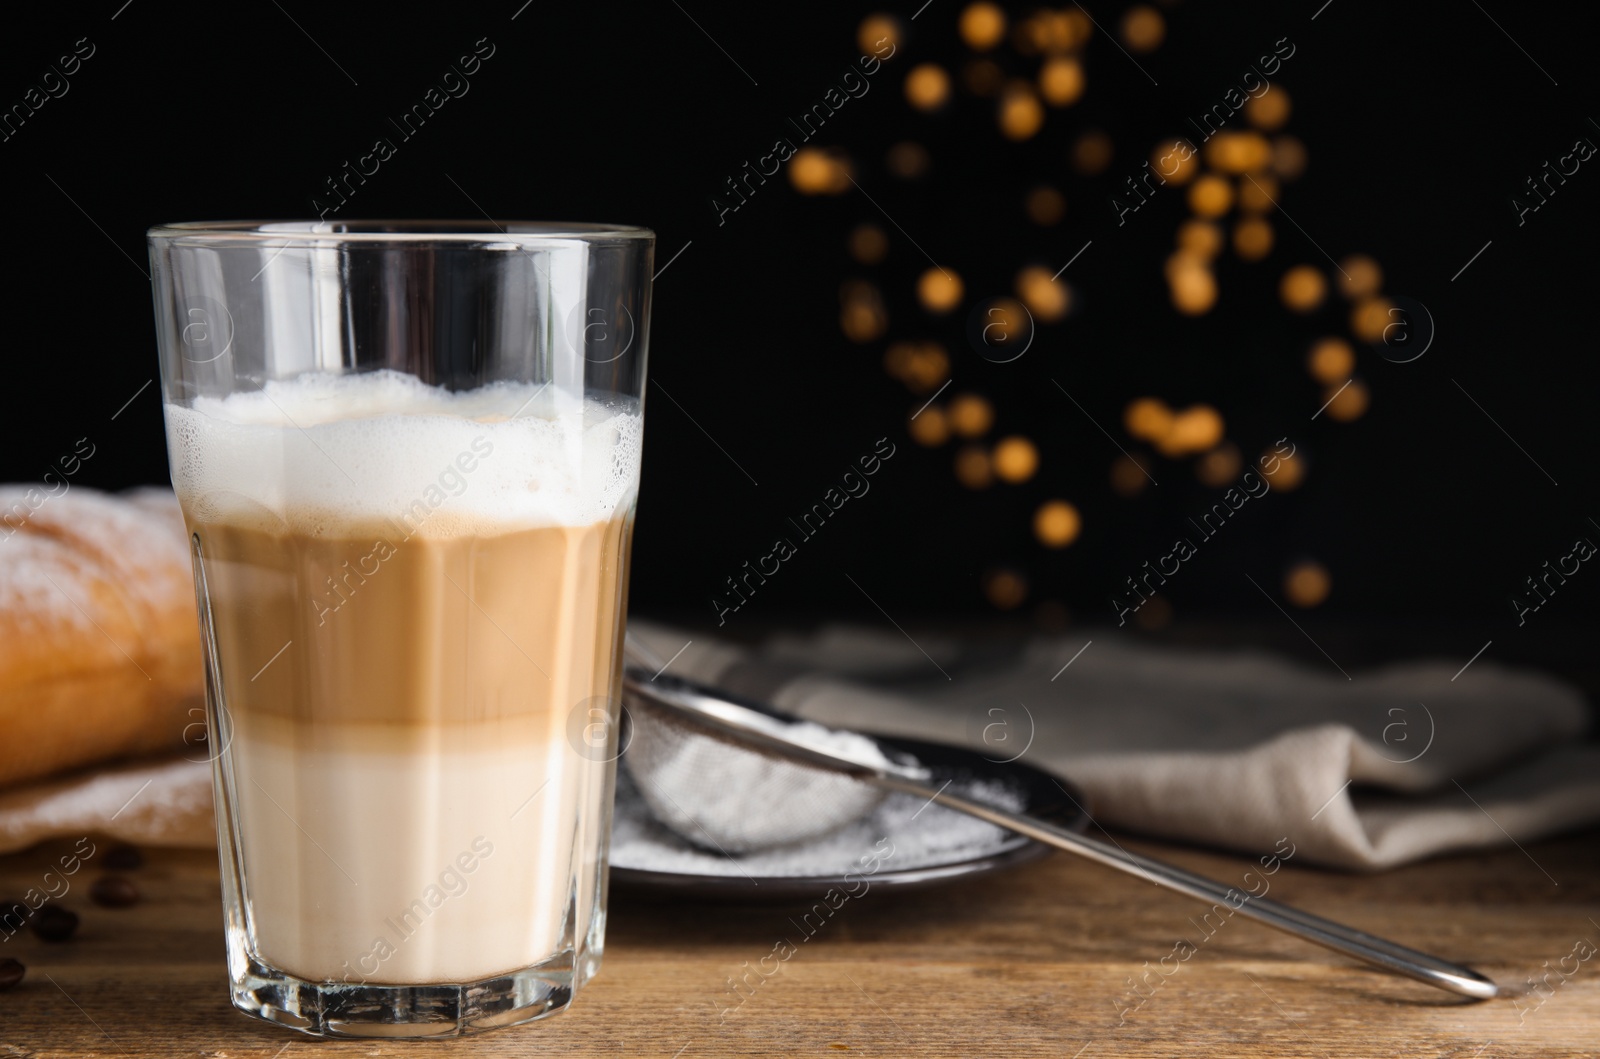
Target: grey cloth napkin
[1235,749]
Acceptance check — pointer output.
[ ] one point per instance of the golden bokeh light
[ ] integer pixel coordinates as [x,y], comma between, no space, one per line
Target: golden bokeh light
[1252,239]
[1193,290]
[1211,196]
[814,171]
[869,244]
[1061,81]
[1195,429]
[982,26]
[1047,298]
[1200,239]
[1046,206]
[927,86]
[862,316]
[922,366]
[1349,402]
[1238,152]
[1287,472]
[1092,153]
[930,427]
[1258,193]
[1220,466]
[1371,317]
[939,290]
[1331,361]
[972,467]
[1307,584]
[1269,110]
[1021,113]
[908,160]
[877,31]
[1006,589]
[1288,157]
[1365,276]
[1175,161]
[1128,476]
[1302,288]
[1056,523]
[1147,417]
[970,415]
[983,77]
[1143,28]
[1015,459]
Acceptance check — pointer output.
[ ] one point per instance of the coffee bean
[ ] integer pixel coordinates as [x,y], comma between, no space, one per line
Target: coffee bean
[123,858]
[113,891]
[54,924]
[11,972]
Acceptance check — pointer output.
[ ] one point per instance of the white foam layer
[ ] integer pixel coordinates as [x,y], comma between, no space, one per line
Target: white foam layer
[319,452]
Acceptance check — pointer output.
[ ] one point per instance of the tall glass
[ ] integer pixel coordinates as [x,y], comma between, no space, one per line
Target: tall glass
[408,455]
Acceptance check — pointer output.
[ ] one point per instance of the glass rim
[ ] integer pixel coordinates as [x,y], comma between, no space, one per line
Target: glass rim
[331,233]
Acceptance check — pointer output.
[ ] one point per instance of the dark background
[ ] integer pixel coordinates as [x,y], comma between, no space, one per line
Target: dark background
[1420,125]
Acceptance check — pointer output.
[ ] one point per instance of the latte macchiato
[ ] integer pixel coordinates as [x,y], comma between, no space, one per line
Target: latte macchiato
[414,600]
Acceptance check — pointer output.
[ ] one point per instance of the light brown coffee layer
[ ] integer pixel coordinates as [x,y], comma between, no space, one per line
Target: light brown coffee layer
[372,626]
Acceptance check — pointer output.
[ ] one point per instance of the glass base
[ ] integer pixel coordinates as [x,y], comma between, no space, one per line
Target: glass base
[331,1009]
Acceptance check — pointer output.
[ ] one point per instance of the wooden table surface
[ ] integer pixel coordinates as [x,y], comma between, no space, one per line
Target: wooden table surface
[1034,961]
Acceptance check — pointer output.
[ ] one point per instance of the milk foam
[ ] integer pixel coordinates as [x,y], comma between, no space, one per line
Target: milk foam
[320,452]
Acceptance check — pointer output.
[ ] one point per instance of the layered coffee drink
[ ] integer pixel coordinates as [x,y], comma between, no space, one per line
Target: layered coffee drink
[413,599]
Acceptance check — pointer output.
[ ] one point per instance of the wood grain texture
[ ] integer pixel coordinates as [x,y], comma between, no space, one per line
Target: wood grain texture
[1033,962]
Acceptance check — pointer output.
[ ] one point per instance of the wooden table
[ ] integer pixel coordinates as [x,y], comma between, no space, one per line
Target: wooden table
[1035,961]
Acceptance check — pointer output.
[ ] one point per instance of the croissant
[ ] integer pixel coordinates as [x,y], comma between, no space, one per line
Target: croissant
[99,646]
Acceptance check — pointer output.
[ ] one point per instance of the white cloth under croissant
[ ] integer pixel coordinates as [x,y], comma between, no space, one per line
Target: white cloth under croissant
[1234,749]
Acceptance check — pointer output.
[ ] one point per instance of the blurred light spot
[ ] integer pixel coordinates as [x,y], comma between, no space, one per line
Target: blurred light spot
[1128,476]
[1211,196]
[1220,466]
[1092,153]
[1349,403]
[1269,110]
[1021,113]
[1331,361]
[1193,290]
[939,290]
[970,415]
[1143,29]
[1155,613]
[930,427]
[1288,157]
[1307,584]
[1287,473]
[814,171]
[922,366]
[982,77]
[1048,299]
[1302,288]
[1016,459]
[1061,81]
[1006,589]
[869,244]
[862,316]
[1257,193]
[972,467]
[1195,429]
[1238,152]
[1252,239]
[1202,239]
[1371,317]
[1175,161]
[1147,417]
[1366,277]
[927,86]
[878,31]
[1061,31]
[908,160]
[982,26]
[1056,524]
[1045,206]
